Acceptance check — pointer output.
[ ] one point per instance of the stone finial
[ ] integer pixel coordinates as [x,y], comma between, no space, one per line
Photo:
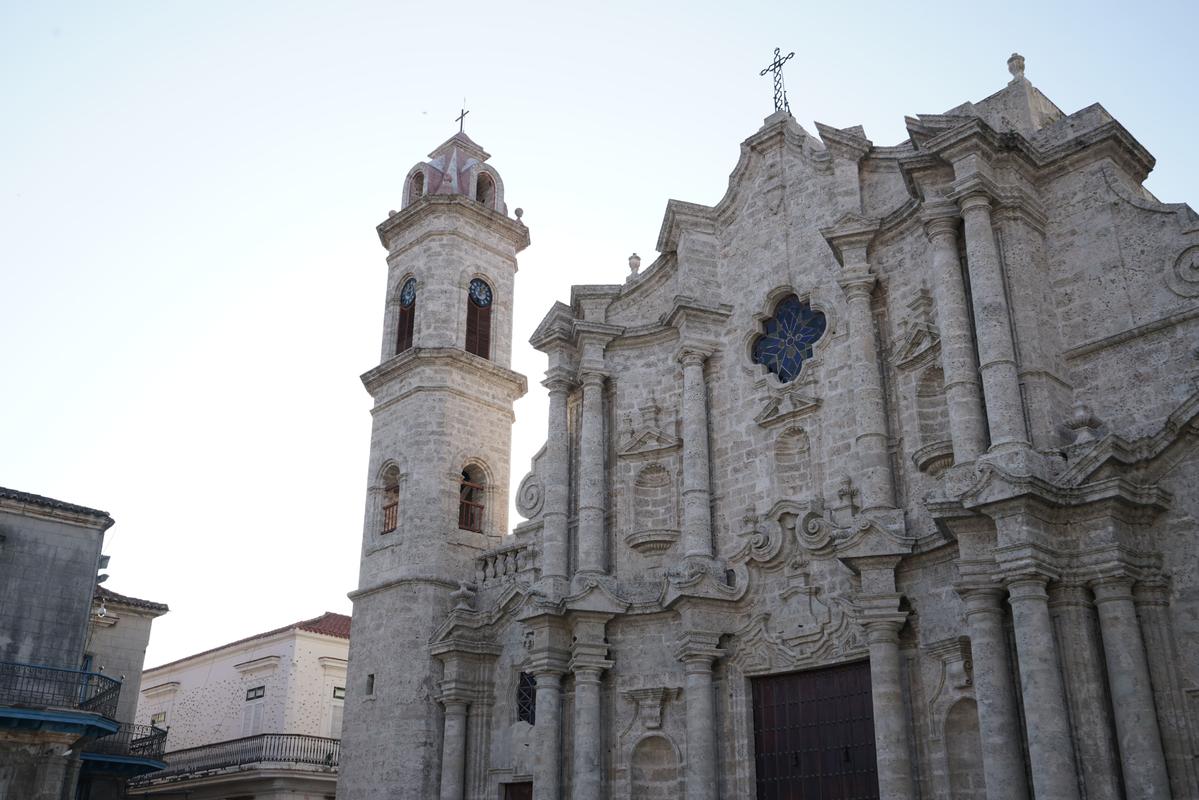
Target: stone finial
[634,264]
[520,212]
[1084,424]
[1015,65]
[463,597]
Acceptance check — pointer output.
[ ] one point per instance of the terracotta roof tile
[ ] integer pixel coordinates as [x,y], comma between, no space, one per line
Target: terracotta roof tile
[329,624]
[109,596]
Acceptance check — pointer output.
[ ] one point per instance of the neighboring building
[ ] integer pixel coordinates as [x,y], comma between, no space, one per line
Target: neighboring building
[52,705]
[879,482]
[116,646]
[260,717]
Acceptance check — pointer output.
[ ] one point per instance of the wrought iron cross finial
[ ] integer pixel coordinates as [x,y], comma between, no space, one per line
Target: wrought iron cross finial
[461,118]
[780,94]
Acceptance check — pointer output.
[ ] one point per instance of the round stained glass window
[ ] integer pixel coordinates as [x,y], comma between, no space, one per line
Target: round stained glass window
[788,338]
[480,293]
[408,293]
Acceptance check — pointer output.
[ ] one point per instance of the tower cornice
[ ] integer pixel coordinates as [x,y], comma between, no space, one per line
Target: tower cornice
[389,370]
[511,230]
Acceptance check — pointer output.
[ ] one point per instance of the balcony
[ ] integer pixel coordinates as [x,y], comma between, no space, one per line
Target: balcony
[33,696]
[267,750]
[136,741]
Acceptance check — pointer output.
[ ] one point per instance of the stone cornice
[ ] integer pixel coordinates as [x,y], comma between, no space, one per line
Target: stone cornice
[685,309]
[556,328]
[513,231]
[850,237]
[682,216]
[482,368]
[842,143]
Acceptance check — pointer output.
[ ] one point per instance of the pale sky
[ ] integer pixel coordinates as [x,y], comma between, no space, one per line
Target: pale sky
[192,282]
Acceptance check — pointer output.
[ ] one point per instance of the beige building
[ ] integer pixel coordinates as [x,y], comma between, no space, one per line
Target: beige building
[878,482]
[260,717]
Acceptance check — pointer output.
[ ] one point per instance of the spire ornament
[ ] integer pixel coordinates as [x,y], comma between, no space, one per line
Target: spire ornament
[776,66]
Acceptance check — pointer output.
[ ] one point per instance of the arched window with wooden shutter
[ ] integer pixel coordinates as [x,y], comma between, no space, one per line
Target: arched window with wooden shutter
[406,323]
[478,318]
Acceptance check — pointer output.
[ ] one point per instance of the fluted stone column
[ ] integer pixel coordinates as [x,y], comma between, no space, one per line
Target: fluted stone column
[1152,598]
[1050,745]
[992,323]
[698,654]
[870,410]
[547,731]
[554,542]
[1073,615]
[453,751]
[1132,693]
[963,395]
[588,741]
[591,476]
[995,693]
[697,510]
[891,733]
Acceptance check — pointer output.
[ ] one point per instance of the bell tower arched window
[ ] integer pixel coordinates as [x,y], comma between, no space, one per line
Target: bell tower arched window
[407,317]
[485,190]
[418,187]
[391,501]
[478,318]
[470,499]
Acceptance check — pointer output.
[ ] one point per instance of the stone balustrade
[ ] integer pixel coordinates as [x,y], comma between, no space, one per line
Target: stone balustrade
[504,563]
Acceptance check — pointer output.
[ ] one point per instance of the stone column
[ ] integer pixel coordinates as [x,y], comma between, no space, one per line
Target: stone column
[1073,615]
[591,476]
[1132,694]
[588,738]
[992,324]
[891,733]
[870,410]
[547,731]
[453,750]
[697,510]
[698,653]
[1152,598]
[995,693]
[1050,745]
[557,471]
[967,424]
[51,772]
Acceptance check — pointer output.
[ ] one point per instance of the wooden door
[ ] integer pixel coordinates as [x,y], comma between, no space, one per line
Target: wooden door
[518,791]
[814,735]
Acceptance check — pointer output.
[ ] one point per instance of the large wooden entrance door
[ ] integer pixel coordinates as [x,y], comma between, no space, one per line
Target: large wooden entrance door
[814,735]
[518,791]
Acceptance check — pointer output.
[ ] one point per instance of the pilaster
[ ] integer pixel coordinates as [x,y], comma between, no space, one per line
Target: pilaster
[698,650]
[697,509]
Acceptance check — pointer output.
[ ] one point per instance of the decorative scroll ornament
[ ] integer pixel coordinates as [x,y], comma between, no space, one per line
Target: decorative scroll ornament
[1184,277]
[530,496]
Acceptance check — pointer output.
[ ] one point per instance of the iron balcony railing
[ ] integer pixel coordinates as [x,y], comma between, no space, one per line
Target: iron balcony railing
[33,686]
[141,741]
[286,748]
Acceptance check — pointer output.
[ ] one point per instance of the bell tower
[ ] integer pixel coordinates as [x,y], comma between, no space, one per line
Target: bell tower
[440,445]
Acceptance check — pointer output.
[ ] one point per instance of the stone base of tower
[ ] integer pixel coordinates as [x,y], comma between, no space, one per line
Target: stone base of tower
[391,740]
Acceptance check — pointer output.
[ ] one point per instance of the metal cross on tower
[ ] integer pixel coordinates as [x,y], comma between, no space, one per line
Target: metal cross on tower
[461,118]
[780,94]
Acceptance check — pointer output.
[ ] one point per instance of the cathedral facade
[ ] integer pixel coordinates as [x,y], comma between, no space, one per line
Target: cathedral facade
[879,482]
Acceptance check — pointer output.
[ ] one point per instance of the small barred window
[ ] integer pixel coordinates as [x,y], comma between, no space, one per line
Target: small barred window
[526,699]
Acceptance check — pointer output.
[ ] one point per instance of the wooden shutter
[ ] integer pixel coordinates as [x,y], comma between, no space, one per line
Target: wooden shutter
[478,329]
[405,327]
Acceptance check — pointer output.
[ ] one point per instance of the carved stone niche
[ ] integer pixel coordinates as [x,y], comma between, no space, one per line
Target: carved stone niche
[648,465]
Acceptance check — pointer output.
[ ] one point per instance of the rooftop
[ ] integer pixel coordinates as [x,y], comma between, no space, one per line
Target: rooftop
[15,497]
[108,596]
[328,624]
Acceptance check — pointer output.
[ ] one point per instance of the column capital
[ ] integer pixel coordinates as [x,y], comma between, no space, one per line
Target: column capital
[698,649]
[941,220]
[883,628]
[1069,593]
[857,284]
[591,377]
[1027,584]
[1112,587]
[691,356]
[589,671]
[1152,590]
[980,597]
[975,200]
[558,379]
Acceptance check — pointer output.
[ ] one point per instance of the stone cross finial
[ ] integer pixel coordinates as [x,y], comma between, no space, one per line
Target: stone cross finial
[461,118]
[1015,65]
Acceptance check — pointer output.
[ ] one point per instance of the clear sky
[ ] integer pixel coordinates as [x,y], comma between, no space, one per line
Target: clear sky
[192,283]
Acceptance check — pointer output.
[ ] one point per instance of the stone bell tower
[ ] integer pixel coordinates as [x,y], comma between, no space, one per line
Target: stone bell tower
[440,446]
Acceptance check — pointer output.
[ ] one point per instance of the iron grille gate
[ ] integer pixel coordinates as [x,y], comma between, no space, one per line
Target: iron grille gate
[814,735]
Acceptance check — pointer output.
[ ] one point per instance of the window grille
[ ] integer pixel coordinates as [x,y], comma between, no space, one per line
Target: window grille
[391,508]
[470,501]
[526,699]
